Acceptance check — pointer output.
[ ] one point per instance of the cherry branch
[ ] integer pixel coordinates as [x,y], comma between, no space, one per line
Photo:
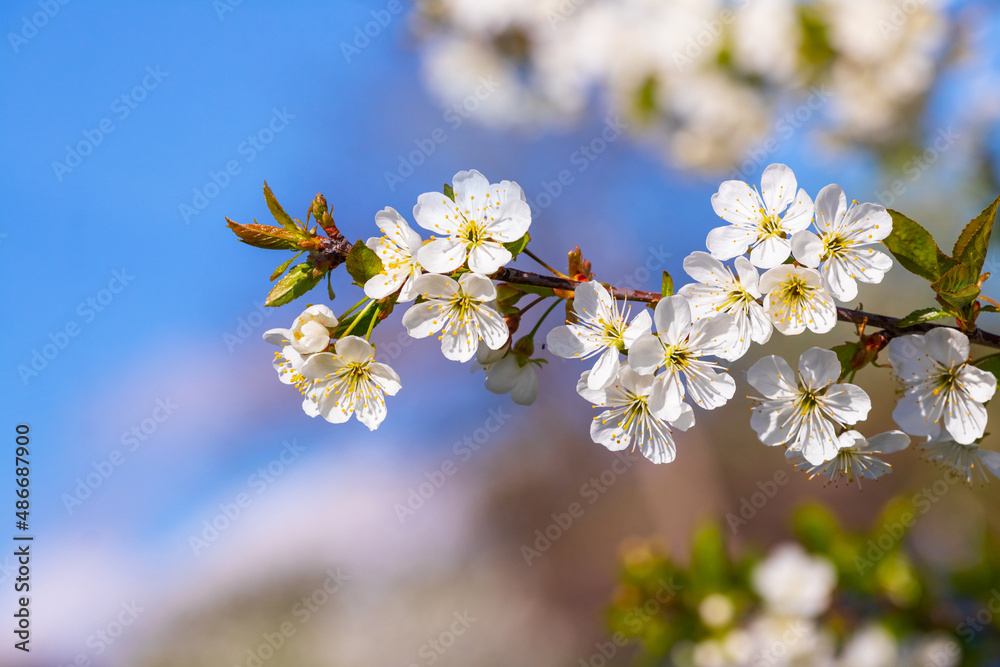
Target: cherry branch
[888,324]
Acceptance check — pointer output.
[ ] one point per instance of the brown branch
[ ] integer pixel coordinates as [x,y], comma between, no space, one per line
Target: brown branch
[884,322]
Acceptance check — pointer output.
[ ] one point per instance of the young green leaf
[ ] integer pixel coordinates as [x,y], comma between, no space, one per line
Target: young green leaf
[279,214]
[922,315]
[517,247]
[299,280]
[974,241]
[990,364]
[540,291]
[284,266]
[914,248]
[366,319]
[667,284]
[449,191]
[265,236]
[363,263]
[507,298]
[846,353]
[329,286]
[959,286]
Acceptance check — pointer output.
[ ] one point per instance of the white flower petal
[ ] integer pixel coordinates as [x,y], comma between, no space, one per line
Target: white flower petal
[424,319]
[646,354]
[478,287]
[354,349]
[435,212]
[807,248]
[605,371]
[772,377]
[488,257]
[442,255]
[819,367]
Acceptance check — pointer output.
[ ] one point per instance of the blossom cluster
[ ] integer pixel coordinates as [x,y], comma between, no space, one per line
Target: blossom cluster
[793,258]
[472,226]
[705,81]
[796,590]
[715,319]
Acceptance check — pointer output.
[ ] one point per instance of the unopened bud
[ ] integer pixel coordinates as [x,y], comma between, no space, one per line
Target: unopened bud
[525,347]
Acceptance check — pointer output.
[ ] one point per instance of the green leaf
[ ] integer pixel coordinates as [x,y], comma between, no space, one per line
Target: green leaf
[363,263]
[667,285]
[974,241]
[507,297]
[265,236]
[518,246]
[914,248]
[329,286]
[990,364]
[816,527]
[540,291]
[709,559]
[845,354]
[279,214]
[922,315]
[284,266]
[367,318]
[989,309]
[959,286]
[449,191]
[299,280]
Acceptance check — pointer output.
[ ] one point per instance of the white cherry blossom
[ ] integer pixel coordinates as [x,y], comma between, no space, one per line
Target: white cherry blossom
[802,410]
[514,375]
[942,389]
[309,333]
[763,222]
[969,461]
[846,248]
[601,328]
[793,583]
[856,457]
[461,308]
[679,347]
[795,300]
[397,249]
[629,420]
[475,226]
[349,381]
[719,291]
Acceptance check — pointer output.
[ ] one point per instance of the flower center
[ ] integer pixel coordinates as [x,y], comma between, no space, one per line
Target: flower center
[636,410]
[354,373]
[946,381]
[677,357]
[808,402]
[473,233]
[462,306]
[769,225]
[795,291]
[836,246]
[737,297]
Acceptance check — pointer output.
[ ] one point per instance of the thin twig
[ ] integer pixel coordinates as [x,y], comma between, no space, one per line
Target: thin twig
[888,324]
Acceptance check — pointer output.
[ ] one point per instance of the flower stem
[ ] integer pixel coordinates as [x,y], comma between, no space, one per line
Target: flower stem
[353,308]
[357,318]
[522,311]
[542,262]
[371,326]
[542,318]
[888,324]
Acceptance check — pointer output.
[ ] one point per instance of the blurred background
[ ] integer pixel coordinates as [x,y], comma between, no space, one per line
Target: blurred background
[187,512]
